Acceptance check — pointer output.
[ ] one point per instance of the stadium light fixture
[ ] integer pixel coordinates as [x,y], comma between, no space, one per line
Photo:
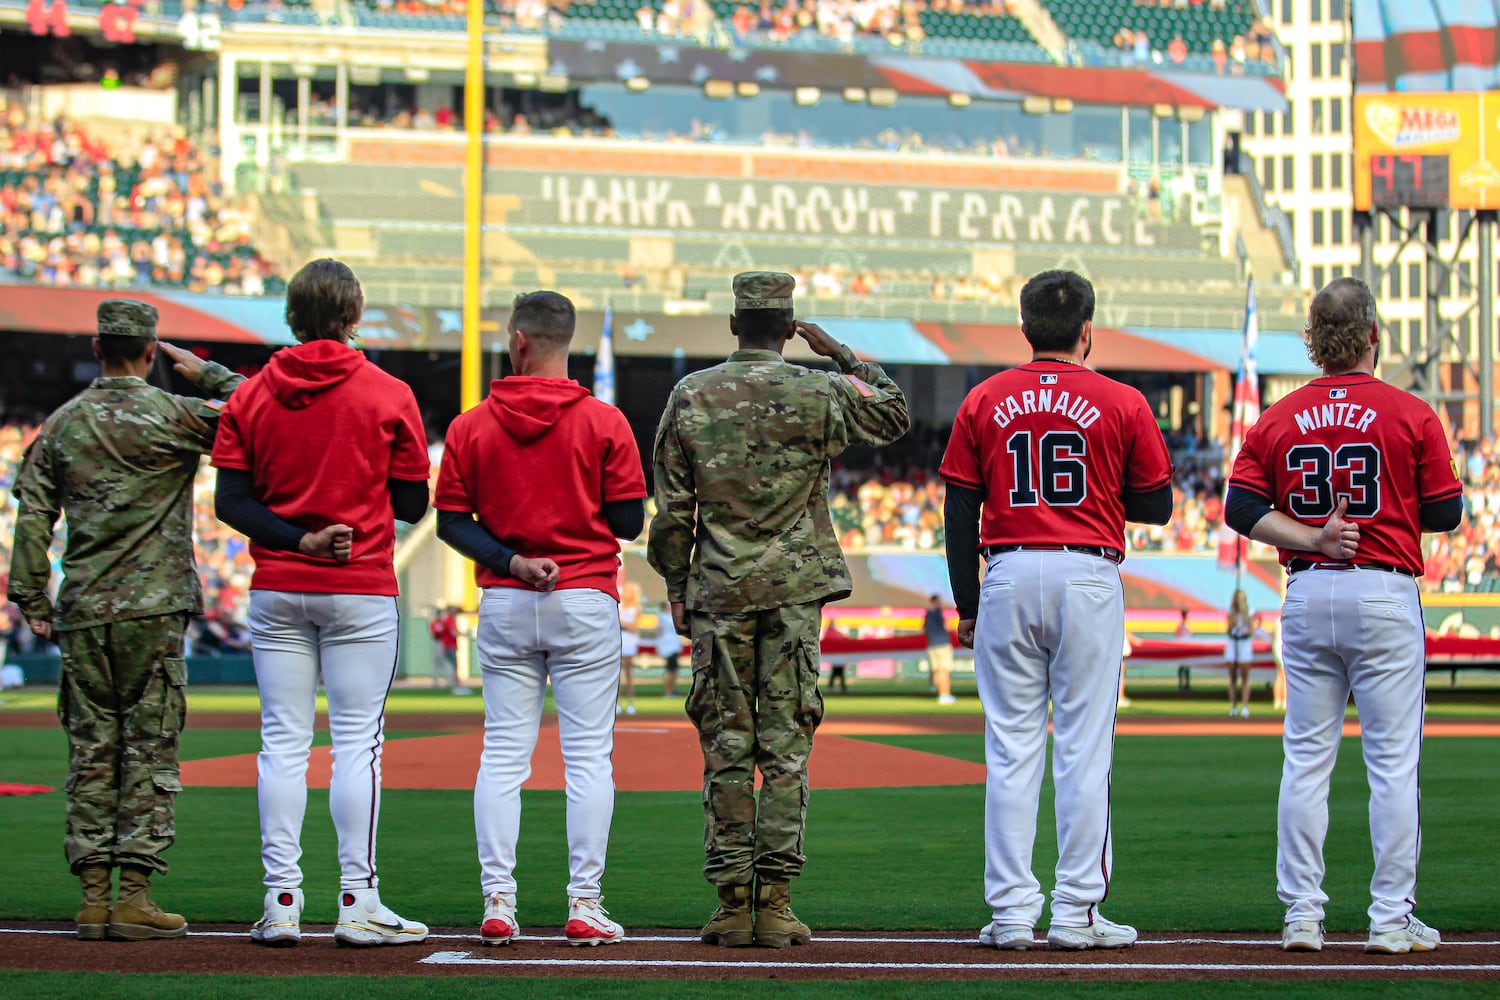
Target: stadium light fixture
[637,84]
[527,80]
[854,95]
[1036,105]
[718,90]
[364,76]
[1191,114]
[416,74]
[1163,110]
[1062,105]
[958,100]
[807,96]
[748,88]
[882,97]
[553,83]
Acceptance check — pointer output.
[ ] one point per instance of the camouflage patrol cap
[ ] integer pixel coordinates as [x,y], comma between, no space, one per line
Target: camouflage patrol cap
[127,318]
[763,290]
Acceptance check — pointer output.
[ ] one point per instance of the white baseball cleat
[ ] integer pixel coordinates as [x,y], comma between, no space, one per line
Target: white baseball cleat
[1101,933]
[281,924]
[1302,935]
[589,923]
[364,921]
[1007,937]
[499,925]
[1415,936]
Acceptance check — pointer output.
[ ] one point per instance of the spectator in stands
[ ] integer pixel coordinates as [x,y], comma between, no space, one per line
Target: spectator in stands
[1177,50]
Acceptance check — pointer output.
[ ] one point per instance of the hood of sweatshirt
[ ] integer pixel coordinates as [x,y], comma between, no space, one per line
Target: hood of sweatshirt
[297,375]
[526,407]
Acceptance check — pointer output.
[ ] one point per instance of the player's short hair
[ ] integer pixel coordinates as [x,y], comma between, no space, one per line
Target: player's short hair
[1338,324]
[766,327]
[324,301]
[115,350]
[1054,307]
[545,317]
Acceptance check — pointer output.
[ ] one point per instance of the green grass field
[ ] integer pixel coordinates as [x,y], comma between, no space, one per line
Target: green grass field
[1194,822]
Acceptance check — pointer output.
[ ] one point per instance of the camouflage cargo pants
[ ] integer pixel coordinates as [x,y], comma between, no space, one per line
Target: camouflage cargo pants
[122,702]
[756,704]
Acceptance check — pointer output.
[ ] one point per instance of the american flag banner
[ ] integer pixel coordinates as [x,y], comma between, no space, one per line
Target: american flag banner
[1245,413]
[604,361]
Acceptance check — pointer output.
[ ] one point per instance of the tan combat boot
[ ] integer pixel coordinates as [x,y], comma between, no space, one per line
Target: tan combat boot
[733,923]
[135,917]
[776,926]
[93,917]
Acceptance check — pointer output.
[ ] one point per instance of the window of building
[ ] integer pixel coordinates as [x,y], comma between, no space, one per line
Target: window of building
[1317,173]
[1268,123]
[1336,115]
[1287,166]
[1465,278]
[1250,121]
[1335,10]
[1317,275]
[1393,281]
[1291,57]
[1338,271]
[1336,59]
[1286,11]
[1336,171]
[1317,115]
[1336,226]
[1317,228]
[1315,56]
[1414,337]
[1414,280]
[1286,121]
[1315,11]
[1268,173]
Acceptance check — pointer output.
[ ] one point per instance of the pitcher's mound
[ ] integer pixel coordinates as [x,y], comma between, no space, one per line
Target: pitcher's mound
[650,756]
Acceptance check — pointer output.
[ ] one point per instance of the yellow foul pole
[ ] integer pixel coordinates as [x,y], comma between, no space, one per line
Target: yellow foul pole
[471,358]
[472,350]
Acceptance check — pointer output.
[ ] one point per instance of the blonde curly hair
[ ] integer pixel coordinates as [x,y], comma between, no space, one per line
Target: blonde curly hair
[1338,324]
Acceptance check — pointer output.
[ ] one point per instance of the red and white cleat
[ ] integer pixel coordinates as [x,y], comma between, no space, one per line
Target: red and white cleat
[589,923]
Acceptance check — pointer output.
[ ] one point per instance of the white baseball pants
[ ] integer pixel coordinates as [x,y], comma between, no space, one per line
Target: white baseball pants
[1050,627]
[573,637]
[1365,637]
[351,640]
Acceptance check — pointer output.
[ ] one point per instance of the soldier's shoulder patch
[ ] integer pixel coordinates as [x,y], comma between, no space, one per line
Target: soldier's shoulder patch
[213,404]
[860,386]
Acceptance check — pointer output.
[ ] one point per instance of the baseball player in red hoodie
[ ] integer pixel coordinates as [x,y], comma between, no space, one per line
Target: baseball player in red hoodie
[554,478]
[315,459]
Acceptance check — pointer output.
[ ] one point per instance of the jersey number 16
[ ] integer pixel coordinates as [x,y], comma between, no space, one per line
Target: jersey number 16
[1059,459]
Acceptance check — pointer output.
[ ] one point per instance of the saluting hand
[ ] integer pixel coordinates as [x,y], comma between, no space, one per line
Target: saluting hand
[185,363]
[1339,538]
[817,339]
[334,542]
[541,573]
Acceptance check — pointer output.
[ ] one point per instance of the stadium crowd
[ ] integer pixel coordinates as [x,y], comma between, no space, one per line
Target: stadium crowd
[79,209]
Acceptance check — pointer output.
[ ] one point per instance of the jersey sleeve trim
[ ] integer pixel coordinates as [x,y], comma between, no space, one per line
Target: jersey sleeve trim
[1255,488]
[1151,488]
[966,484]
[1457,490]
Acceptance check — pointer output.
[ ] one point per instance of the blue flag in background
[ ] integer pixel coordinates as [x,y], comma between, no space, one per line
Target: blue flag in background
[604,361]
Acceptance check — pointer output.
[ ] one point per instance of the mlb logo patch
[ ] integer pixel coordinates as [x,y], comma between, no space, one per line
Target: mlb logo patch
[1049,380]
[1337,393]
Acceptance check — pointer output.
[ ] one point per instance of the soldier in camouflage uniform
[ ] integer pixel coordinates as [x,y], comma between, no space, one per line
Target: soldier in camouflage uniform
[743,539]
[119,459]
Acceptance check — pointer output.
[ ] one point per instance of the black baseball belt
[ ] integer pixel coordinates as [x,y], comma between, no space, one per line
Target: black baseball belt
[1101,551]
[1298,565]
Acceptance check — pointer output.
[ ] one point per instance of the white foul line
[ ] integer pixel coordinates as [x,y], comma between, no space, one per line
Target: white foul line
[995,968]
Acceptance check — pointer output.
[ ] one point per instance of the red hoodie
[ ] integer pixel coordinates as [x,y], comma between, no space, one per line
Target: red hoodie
[537,462]
[321,430]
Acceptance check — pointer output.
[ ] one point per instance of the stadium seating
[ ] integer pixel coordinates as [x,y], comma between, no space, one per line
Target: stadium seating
[1199,25]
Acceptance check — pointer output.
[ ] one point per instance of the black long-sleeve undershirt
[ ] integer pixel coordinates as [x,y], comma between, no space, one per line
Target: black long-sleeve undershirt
[473,540]
[961,529]
[1154,507]
[1243,509]
[236,505]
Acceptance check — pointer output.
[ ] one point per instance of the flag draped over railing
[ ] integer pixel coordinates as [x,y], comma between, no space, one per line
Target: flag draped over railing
[604,361]
[1245,412]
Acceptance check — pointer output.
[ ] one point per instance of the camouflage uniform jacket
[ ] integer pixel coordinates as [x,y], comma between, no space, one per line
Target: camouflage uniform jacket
[119,460]
[741,463]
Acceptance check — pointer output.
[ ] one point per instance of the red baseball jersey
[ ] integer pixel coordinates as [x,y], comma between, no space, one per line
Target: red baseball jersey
[1351,436]
[1053,447]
